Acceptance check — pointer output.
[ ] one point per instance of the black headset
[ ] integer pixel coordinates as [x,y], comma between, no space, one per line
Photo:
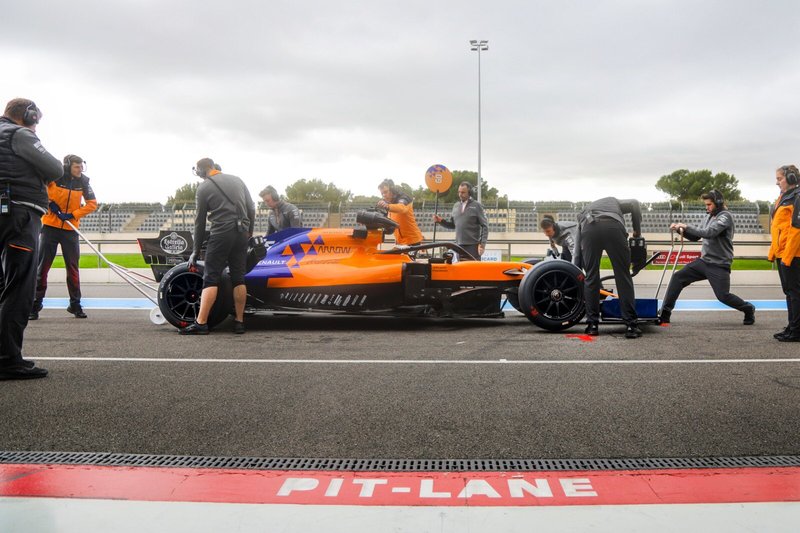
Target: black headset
[68,162]
[32,115]
[717,198]
[789,174]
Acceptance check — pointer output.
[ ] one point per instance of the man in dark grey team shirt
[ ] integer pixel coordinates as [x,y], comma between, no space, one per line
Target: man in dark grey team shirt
[282,214]
[231,212]
[714,263]
[602,227]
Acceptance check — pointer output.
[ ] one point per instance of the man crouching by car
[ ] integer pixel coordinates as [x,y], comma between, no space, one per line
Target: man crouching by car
[231,212]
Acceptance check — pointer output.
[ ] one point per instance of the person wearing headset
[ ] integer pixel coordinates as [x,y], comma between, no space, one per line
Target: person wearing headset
[714,263]
[785,247]
[231,213]
[560,234]
[26,168]
[401,209]
[469,220]
[71,198]
[282,214]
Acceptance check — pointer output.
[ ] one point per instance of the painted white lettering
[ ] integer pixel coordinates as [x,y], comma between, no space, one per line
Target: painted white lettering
[539,489]
[334,487]
[297,484]
[578,487]
[478,487]
[368,486]
[426,490]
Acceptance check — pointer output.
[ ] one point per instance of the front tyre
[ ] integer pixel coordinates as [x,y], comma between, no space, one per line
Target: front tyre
[179,296]
[551,295]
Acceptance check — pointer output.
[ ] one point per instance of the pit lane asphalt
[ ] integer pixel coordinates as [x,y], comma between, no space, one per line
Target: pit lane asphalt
[371,410]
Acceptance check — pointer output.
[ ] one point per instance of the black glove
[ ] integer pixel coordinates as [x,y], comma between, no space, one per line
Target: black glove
[54,207]
[65,216]
[193,260]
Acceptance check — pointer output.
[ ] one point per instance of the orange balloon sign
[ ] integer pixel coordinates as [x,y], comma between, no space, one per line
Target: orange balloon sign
[438,179]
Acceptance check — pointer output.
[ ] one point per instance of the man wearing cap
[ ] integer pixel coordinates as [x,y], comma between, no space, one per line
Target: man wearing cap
[26,168]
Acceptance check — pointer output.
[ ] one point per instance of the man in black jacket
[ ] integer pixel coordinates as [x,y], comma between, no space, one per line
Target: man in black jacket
[602,227]
[231,212]
[25,170]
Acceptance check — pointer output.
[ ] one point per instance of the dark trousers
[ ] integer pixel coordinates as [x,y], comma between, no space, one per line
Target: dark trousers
[608,235]
[19,238]
[228,248]
[471,249]
[790,283]
[49,241]
[718,276]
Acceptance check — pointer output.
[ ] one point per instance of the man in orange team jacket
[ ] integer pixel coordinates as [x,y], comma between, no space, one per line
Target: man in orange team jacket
[401,210]
[71,198]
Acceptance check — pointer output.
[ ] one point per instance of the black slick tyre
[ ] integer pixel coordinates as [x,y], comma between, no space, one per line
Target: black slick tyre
[179,296]
[551,295]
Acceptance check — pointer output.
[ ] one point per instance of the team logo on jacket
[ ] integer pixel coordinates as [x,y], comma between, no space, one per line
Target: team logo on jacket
[173,244]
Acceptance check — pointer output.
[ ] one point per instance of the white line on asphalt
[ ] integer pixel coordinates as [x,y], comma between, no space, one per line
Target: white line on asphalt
[421,361]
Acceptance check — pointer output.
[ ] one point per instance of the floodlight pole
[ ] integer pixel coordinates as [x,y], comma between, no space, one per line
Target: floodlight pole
[478,46]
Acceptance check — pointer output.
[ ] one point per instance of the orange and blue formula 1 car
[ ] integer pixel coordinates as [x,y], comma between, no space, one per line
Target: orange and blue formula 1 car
[345,271]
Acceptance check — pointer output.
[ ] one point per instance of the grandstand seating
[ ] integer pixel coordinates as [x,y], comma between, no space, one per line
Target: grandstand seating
[107,220]
[519,217]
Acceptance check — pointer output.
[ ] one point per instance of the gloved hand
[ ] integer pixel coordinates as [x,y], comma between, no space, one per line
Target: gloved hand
[65,216]
[54,207]
[193,260]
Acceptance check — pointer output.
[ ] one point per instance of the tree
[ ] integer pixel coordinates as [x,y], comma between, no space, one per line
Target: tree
[316,191]
[685,185]
[185,195]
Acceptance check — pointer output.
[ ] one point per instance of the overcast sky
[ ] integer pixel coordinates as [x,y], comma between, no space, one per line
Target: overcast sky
[580,99]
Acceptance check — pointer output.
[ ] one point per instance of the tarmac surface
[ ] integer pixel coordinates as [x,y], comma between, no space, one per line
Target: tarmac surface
[355,387]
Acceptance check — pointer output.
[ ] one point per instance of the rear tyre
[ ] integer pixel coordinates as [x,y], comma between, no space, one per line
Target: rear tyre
[551,295]
[179,296]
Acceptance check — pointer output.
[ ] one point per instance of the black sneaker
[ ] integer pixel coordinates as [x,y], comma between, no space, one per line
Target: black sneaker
[664,316]
[749,315]
[27,363]
[633,332]
[782,333]
[592,329]
[194,329]
[789,337]
[238,327]
[76,310]
[34,314]
[22,372]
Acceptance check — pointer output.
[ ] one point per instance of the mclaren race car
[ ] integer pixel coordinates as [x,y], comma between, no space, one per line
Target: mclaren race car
[345,271]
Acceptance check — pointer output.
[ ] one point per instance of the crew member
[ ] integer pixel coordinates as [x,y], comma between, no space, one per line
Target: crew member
[401,209]
[602,227]
[561,234]
[469,220]
[714,263]
[71,198]
[25,170]
[282,214]
[231,212]
[785,247]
